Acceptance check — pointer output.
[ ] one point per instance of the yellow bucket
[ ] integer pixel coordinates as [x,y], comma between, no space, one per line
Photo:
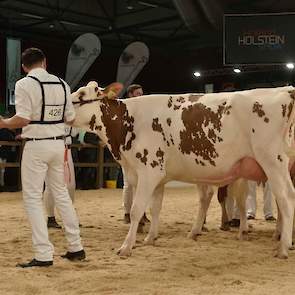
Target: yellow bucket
[111,184]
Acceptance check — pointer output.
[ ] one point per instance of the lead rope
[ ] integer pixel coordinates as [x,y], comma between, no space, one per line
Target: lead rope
[67,171]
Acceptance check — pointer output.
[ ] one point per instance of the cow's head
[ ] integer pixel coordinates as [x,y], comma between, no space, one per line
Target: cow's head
[98,111]
[87,100]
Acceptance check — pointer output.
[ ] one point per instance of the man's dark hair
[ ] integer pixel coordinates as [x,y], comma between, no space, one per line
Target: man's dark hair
[32,56]
[132,88]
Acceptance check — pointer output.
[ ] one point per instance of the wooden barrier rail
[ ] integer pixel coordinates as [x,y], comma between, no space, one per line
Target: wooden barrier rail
[99,165]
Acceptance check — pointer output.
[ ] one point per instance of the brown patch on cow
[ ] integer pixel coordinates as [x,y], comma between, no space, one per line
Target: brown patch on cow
[290,107]
[99,127]
[170,102]
[143,158]
[119,125]
[280,158]
[160,156]
[194,97]
[157,126]
[227,109]
[257,108]
[169,121]
[92,122]
[193,139]
[253,130]
[171,139]
[180,99]
[176,107]
[284,110]
[154,164]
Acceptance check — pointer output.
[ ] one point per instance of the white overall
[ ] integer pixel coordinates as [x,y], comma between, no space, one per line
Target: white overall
[43,157]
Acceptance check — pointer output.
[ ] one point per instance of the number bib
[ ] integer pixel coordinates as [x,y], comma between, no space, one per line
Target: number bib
[53,113]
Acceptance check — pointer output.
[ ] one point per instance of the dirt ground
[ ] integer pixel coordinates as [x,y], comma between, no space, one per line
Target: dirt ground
[215,264]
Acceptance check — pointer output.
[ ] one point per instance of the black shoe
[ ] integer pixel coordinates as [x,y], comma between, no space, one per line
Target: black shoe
[250,217]
[270,218]
[79,255]
[234,222]
[127,218]
[51,223]
[35,262]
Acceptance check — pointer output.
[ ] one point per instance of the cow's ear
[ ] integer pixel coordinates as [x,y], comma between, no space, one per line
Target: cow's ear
[112,91]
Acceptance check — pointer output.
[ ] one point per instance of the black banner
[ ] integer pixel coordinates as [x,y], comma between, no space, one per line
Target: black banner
[259,39]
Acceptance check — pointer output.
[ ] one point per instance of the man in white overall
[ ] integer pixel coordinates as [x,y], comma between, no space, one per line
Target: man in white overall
[43,103]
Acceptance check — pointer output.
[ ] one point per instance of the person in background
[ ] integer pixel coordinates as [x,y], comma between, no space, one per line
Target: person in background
[251,201]
[43,105]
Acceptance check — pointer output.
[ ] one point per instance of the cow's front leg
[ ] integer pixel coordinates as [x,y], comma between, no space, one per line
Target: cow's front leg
[206,194]
[143,196]
[155,212]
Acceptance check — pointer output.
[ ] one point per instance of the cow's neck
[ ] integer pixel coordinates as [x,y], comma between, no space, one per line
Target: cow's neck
[118,126]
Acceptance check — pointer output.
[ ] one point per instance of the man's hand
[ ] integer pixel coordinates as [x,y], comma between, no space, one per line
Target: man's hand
[14,122]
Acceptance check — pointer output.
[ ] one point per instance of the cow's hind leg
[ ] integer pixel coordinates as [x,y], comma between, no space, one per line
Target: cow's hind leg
[156,207]
[206,194]
[284,192]
[144,190]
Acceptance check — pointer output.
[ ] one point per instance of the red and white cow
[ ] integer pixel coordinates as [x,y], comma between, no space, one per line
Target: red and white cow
[198,138]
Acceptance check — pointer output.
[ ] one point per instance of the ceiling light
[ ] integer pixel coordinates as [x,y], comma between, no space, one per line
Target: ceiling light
[290,66]
[197,74]
[237,71]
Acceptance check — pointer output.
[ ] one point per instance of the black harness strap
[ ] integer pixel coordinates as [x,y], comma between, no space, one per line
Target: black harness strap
[43,98]
[44,104]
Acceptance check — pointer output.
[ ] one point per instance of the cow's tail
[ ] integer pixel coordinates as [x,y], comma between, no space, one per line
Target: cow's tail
[289,148]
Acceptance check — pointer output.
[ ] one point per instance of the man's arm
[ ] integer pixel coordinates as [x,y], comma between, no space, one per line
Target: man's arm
[14,122]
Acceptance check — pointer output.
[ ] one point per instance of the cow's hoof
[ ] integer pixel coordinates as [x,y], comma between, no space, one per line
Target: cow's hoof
[124,251]
[281,255]
[150,240]
[205,229]
[243,236]
[193,236]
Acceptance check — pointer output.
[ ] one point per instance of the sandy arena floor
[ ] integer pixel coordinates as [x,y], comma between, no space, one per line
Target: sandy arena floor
[216,264]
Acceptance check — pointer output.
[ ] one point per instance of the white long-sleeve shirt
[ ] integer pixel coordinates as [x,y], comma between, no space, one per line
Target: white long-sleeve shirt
[28,103]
